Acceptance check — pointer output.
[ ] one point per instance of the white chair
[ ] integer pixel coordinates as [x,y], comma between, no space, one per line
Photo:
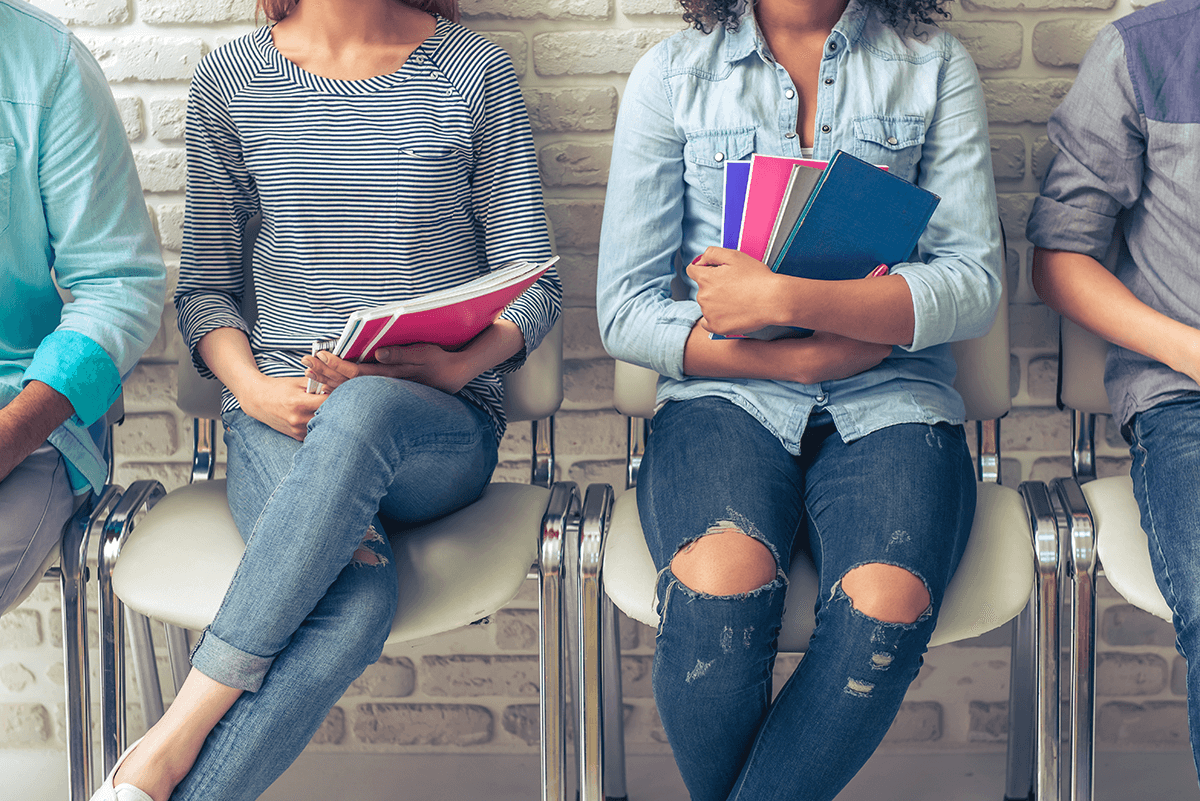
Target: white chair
[1013,547]
[1103,521]
[67,564]
[175,563]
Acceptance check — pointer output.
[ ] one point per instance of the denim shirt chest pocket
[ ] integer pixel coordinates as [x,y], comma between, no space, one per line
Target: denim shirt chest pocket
[8,160]
[705,154]
[894,142]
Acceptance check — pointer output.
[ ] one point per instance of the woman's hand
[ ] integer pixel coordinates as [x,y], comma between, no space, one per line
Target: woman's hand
[737,293]
[423,363]
[282,403]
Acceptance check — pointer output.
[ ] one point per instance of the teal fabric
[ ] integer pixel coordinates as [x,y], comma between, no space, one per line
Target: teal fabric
[71,212]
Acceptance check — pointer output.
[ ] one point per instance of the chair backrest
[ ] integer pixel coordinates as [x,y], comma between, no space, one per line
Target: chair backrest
[982,377]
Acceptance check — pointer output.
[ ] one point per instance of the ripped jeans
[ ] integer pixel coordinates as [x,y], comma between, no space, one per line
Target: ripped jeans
[903,496]
[312,601]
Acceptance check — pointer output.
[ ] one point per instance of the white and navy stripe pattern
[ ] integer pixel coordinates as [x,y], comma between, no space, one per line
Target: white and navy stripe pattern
[369,191]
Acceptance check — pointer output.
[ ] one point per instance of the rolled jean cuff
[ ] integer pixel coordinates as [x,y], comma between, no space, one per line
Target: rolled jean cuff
[230,666]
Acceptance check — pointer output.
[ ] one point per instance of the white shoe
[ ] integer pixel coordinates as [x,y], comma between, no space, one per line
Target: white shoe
[122,792]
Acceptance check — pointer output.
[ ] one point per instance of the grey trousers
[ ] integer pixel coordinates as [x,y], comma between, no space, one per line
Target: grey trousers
[35,503]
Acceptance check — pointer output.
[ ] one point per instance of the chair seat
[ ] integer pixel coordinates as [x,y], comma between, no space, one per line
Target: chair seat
[181,557]
[992,584]
[1121,543]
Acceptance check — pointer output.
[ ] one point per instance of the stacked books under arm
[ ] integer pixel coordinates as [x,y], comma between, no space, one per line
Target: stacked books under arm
[829,221]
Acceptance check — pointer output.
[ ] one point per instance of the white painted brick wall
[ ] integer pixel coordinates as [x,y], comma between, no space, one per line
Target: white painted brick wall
[473,689]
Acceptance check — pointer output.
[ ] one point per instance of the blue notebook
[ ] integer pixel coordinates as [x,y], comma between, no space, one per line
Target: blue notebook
[737,177]
[858,217]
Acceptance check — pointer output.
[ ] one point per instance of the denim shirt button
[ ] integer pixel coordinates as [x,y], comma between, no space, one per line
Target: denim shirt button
[822,398]
[790,135]
[789,94]
[825,129]
[829,81]
[892,140]
[832,46]
[718,156]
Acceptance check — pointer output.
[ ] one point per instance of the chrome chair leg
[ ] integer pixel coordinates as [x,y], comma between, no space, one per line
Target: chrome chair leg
[145,666]
[140,496]
[614,712]
[72,576]
[1043,522]
[597,510]
[1081,541]
[179,654]
[1022,701]
[558,523]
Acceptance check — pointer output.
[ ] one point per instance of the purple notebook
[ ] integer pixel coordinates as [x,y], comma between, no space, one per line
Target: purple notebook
[737,177]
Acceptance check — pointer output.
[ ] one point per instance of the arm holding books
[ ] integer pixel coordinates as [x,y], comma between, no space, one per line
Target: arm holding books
[426,364]
[738,293]
[640,321]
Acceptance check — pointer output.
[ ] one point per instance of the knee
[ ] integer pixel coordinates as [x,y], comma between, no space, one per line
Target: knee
[886,593]
[725,561]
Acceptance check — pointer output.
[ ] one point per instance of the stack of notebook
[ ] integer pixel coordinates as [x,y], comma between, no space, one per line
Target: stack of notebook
[825,220]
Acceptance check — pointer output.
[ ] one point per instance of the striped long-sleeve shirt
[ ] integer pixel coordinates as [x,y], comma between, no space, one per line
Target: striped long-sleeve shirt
[369,191]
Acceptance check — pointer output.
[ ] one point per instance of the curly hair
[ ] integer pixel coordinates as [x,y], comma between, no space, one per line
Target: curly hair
[705,15]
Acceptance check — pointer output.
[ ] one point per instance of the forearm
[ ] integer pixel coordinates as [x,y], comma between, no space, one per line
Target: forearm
[1081,289]
[495,345]
[227,353]
[811,360]
[868,309]
[28,421]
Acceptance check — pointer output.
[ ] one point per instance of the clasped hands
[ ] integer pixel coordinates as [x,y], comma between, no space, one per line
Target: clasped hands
[423,363]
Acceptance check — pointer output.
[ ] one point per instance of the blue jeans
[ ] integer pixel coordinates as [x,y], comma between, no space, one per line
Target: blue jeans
[1165,446]
[903,496]
[312,601]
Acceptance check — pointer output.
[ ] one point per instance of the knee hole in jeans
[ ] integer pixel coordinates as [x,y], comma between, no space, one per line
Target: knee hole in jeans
[365,555]
[724,561]
[886,593]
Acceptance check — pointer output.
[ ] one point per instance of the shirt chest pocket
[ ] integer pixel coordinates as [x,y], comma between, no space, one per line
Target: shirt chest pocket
[705,155]
[892,142]
[8,160]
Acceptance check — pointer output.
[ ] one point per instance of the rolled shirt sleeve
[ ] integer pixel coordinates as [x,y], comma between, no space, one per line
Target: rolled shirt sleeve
[1101,137]
[104,249]
[642,230]
[955,284]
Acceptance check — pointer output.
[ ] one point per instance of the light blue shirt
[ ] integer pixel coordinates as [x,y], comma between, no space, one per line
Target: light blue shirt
[1128,135]
[696,101]
[71,202]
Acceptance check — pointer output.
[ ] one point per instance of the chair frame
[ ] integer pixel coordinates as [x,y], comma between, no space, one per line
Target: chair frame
[559,521]
[69,567]
[1032,768]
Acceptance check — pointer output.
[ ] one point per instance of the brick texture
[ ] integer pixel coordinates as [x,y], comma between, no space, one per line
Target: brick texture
[475,689]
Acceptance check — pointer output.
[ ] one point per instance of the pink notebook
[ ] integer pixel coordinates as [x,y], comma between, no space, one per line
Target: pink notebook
[449,318]
[764,192]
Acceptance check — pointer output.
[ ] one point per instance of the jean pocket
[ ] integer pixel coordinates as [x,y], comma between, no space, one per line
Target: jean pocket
[707,152]
[8,160]
[890,141]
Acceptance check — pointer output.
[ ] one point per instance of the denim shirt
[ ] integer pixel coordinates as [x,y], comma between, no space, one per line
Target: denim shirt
[695,101]
[70,200]
[1128,135]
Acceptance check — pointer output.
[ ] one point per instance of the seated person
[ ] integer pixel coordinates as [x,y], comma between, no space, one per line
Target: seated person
[850,441]
[71,211]
[1129,154]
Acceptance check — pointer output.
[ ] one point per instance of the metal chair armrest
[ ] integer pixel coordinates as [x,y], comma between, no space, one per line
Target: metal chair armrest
[593,528]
